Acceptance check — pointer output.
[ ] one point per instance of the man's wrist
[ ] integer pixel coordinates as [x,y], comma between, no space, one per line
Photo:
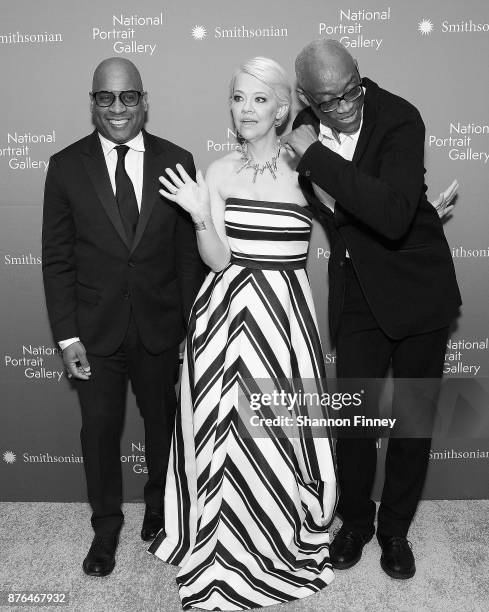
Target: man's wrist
[66,343]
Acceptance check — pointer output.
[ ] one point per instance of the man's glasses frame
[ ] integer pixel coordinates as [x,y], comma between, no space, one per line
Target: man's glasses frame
[331,105]
[104,99]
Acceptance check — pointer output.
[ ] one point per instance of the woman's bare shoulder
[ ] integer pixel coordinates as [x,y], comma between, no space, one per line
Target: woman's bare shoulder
[224,165]
[290,161]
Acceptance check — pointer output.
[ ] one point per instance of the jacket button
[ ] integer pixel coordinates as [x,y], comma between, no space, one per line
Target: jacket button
[307,173]
[131,264]
[127,295]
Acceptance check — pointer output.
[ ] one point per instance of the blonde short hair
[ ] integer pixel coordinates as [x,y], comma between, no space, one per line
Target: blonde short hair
[271,73]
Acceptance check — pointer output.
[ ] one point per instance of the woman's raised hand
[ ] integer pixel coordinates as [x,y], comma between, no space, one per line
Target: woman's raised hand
[192,196]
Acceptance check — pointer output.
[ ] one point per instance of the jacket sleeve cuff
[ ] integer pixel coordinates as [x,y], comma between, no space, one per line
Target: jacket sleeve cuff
[66,343]
[322,166]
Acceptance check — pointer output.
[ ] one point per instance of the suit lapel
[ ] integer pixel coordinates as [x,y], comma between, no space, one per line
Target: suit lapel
[368,125]
[369,119]
[153,168]
[94,162]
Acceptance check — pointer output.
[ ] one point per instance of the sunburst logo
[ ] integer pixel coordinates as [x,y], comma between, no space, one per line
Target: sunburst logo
[425,26]
[199,32]
[9,457]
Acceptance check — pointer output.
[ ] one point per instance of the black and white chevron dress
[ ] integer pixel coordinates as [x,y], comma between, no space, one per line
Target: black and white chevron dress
[246,519]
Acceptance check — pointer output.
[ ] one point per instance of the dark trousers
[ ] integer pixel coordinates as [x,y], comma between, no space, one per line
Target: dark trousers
[364,351]
[103,400]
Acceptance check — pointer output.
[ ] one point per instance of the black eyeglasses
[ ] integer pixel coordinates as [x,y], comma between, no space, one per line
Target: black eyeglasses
[330,105]
[107,98]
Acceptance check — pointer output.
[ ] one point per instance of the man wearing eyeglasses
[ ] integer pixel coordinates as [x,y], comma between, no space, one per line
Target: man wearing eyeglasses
[392,286]
[121,269]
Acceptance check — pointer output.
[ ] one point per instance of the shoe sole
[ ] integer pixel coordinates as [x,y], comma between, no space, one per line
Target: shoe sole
[150,539]
[344,566]
[396,575]
[99,574]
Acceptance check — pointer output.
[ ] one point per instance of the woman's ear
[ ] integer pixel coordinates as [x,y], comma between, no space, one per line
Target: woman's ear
[302,96]
[282,112]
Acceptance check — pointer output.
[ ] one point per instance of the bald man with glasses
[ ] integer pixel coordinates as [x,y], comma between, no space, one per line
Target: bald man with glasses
[392,287]
[121,269]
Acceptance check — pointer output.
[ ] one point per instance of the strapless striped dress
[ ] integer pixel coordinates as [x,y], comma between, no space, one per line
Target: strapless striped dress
[246,518]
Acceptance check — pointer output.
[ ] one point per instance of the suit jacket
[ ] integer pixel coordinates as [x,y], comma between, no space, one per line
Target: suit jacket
[92,277]
[382,216]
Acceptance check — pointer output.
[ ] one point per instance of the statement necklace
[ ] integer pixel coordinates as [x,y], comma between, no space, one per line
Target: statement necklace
[249,162]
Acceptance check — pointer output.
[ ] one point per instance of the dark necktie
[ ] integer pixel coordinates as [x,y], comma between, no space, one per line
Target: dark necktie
[125,195]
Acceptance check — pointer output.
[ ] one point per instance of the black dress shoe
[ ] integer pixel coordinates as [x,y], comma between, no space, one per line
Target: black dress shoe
[100,560]
[152,523]
[346,548]
[397,558]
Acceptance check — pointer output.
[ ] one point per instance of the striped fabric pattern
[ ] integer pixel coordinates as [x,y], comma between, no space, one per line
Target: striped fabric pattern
[246,518]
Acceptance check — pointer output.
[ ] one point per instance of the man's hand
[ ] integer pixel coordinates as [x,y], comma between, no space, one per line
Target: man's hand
[75,361]
[443,204]
[299,140]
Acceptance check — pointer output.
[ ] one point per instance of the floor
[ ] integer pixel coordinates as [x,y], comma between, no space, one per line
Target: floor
[43,546]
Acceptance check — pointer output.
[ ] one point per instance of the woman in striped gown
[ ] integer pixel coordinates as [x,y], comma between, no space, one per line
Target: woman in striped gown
[247,516]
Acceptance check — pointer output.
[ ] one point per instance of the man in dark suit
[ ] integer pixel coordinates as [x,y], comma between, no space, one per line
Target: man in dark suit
[392,285]
[121,270]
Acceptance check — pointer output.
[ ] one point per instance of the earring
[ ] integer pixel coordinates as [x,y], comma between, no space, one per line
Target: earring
[279,120]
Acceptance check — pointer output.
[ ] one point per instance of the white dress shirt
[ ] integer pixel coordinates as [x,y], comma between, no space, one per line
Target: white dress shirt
[134,164]
[344,145]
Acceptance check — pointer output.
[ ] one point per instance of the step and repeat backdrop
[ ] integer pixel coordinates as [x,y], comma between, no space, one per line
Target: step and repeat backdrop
[434,54]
